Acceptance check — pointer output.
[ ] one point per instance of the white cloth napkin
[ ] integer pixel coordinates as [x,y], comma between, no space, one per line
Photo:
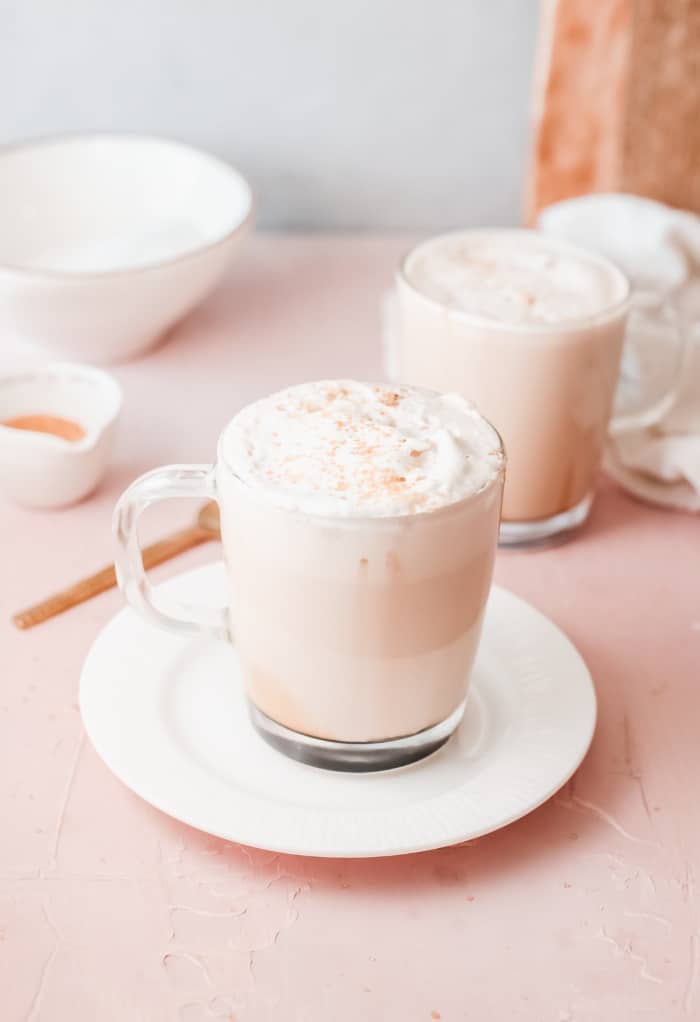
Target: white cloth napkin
[659,249]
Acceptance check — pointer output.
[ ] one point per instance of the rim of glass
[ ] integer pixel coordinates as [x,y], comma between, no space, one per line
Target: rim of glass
[609,312]
[365,519]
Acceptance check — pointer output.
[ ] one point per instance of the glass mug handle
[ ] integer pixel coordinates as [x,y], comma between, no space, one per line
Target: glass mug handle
[653,362]
[163,610]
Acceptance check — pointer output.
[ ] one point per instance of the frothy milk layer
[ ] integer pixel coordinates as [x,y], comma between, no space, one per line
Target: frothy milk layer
[513,277]
[348,448]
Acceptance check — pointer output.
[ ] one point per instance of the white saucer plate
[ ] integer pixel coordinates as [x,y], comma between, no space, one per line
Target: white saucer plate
[168,716]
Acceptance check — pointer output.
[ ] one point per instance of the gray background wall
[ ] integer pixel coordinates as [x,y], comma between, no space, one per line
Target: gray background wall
[344,113]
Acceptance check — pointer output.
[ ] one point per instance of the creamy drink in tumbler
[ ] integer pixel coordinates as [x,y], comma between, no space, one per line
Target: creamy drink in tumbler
[531,330]
[359,526]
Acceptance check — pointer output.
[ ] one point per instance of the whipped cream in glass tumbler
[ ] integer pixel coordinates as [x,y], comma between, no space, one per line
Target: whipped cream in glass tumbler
[532,330]
[359,526]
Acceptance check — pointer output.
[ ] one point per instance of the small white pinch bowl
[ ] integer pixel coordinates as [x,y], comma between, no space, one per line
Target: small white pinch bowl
[107,240]
[42,470]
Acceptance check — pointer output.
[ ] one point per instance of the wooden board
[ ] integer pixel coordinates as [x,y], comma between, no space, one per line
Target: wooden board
[617,101]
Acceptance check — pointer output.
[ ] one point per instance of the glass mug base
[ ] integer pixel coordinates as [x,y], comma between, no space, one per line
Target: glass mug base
[543,530]
[354,757]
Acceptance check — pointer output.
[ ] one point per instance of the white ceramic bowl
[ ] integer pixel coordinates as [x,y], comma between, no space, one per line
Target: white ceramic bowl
[107,240]
[42,470]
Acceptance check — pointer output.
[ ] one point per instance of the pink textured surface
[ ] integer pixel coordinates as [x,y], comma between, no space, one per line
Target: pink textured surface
[586,910]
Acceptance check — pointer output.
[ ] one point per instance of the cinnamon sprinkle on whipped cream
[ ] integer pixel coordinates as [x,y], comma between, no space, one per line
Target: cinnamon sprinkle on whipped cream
[348,448]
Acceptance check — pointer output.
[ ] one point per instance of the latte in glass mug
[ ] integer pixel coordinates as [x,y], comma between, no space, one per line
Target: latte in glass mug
[359,525]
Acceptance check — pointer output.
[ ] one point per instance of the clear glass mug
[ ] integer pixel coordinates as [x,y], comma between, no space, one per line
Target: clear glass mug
[551,390]
[355,635]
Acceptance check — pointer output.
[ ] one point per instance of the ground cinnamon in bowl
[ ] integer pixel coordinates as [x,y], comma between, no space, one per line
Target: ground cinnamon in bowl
[65,429]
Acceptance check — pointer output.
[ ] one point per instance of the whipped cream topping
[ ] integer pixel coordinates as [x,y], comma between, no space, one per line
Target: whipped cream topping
[348,448]
[514,277]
